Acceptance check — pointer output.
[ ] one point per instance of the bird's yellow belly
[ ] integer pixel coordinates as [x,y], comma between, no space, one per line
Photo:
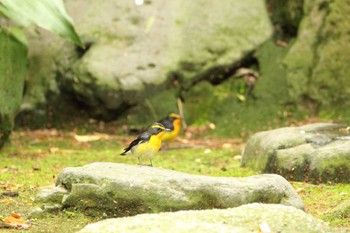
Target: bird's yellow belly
[147,150]
[144,151]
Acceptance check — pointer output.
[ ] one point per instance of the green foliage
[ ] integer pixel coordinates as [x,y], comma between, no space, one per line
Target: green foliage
[48,14]
[13,59]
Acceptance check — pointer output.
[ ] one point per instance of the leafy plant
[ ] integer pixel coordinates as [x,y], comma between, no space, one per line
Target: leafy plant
[48,14]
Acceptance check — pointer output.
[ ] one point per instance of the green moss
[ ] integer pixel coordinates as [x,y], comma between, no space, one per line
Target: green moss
[199,102]
[334,171]
[152,109]
[330,80]
[315,198]
[339,214]
[317,70]
[221,105]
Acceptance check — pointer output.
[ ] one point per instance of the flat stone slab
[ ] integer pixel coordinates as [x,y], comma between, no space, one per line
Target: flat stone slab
[244,219]
[122,190]
[313,153]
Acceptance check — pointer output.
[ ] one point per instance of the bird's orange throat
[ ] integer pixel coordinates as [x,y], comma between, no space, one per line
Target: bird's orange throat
[177,124]
[168,136]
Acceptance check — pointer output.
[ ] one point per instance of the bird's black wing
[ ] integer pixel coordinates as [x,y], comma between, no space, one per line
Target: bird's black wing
[167,122]
[144,137]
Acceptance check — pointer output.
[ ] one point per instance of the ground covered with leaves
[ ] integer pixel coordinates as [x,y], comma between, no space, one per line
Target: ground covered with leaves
[34,159]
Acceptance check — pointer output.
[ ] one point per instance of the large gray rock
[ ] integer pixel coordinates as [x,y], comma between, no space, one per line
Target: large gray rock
[121,190]
[244,219]
[315,152]
[316,71]
[135,51]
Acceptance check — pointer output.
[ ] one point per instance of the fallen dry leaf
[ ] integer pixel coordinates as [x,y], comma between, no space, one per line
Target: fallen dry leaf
[226,145]
[29,203]
[5,201]
[3,170]
[54,150]
[12,222]
[36,167]
[16,215]
[282,43]
[14,187]
[211,126]
[12,167]
[300,190]
[90,138]
[207,151]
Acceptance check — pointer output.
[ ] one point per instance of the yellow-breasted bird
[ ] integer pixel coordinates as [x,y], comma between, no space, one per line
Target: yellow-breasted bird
[172,122]
[147,145]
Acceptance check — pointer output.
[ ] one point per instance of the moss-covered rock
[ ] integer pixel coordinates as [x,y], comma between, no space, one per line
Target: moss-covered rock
[313,153]
[135,52]
[244,219]
[123,190]
[316,69]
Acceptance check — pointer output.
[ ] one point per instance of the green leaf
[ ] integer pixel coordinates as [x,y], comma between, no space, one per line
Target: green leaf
[13,68]
[19,35]
[48,14]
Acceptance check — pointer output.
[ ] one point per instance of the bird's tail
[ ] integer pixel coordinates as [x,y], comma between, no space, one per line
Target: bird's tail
[124,152]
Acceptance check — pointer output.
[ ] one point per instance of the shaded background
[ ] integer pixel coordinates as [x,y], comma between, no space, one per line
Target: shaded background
[140,59]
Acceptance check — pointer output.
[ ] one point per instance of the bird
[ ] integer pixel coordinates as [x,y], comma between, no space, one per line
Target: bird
[172,122]
[147,144]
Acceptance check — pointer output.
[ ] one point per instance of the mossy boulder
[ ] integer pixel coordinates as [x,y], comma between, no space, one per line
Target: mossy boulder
[317,73]
[244,219]
[123,190]
[312,153]
[133,53]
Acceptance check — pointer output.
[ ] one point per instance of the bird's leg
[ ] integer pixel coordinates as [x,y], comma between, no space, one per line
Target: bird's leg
[151,162]
[140,163]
